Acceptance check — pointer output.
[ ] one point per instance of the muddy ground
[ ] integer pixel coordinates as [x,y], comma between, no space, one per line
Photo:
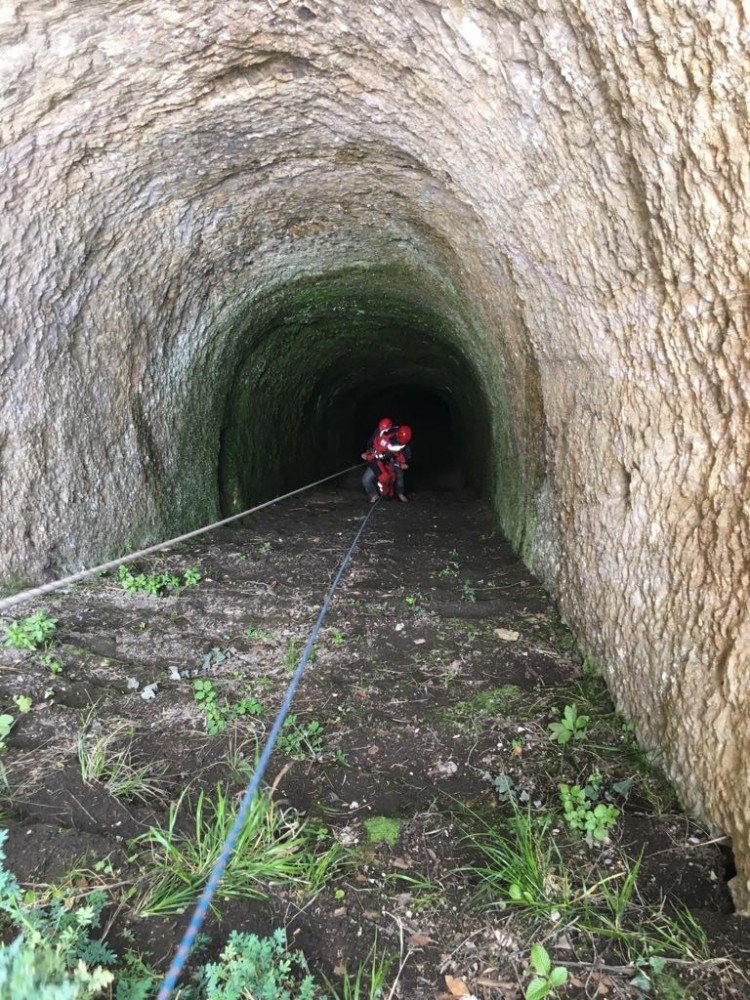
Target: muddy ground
[439,668]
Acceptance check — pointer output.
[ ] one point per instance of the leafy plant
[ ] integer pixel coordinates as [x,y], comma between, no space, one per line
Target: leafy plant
[264,548]
[647,968]
[546,978]
[258,633]
[23,703]
[53,956]
[468,593]
[218,716]
[30,633]
[54,666]
[337,638]
[155,584]
[301,741]
[583,812]
[572,726]
[503,785]
[6,724]
[261,968]
[450,569]
[273,846]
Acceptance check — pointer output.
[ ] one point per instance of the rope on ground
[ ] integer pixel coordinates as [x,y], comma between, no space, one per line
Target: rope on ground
[201,909]
[48,588]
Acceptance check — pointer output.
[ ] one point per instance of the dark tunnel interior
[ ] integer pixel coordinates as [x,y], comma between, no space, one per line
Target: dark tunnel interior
[312,377]
[436,462]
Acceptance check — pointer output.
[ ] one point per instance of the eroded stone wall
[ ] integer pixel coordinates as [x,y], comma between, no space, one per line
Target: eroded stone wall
[567,180]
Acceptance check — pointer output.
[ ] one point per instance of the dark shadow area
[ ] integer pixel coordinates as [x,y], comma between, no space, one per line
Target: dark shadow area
[437,461]
[313,376]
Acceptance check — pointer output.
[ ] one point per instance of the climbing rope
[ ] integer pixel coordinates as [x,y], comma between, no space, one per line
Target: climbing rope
[48,588]
[201,909]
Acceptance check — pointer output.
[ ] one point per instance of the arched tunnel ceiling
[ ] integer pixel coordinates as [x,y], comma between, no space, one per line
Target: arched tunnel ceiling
[567,184]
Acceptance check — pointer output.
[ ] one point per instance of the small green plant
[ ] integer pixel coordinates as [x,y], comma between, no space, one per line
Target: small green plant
[218,716]
[54,666]
[293,653]
[264,548]
[583,812]
[572,726]
[261,968]
[451,569]
[487,704]
[648,969]
[368,982]
[53,956]
[301,741]
[383,829]
[147,583]
[337,638]
[23,703]
[546,978]
[412,601]
[155,584]
[504,787]
[468,593]
[258,633]
[205,695]
[6,724]
[30,633]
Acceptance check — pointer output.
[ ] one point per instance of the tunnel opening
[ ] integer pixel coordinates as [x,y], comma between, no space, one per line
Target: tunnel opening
[314,372]
[436,461]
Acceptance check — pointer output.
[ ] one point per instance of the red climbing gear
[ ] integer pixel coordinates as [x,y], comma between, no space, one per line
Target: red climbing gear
[386,479]
[381,445]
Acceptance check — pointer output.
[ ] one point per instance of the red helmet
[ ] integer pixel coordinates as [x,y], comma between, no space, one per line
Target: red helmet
[403,434]
[385,424]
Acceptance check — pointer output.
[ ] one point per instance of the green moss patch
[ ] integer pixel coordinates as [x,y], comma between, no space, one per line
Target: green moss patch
[383,830]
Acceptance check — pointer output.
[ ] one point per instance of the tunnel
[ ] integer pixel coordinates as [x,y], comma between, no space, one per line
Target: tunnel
[309,386]
[232,234]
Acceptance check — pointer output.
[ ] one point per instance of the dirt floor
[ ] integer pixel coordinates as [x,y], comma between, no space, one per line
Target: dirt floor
[420,734]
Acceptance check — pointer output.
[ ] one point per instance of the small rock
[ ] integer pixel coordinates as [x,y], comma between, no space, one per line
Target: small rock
[149,692]
[507,634]
[446,767]
[132,684]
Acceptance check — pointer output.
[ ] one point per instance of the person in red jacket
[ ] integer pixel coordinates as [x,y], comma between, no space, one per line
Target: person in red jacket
[387,457]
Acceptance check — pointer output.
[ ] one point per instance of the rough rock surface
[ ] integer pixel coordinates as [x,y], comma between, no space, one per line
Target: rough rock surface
[549,195]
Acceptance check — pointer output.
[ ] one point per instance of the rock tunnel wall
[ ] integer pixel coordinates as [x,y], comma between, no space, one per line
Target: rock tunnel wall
[550,196]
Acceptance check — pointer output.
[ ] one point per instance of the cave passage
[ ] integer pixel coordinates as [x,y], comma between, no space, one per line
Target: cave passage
[233,232]
[437,461]
[311,378]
